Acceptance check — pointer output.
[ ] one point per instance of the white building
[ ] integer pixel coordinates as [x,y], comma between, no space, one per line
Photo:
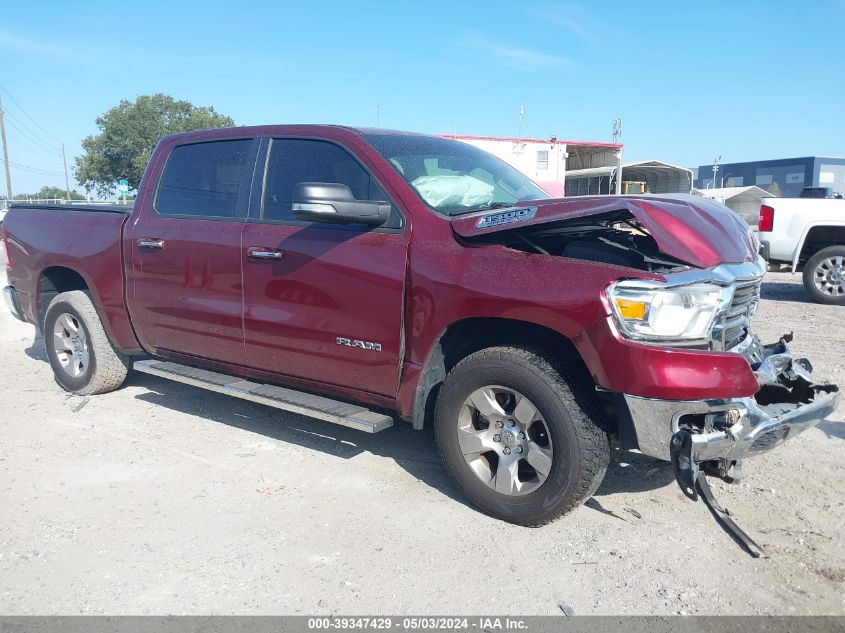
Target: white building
[575,168]
[547,161]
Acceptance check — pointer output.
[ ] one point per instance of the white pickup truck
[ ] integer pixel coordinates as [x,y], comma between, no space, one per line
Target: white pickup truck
[807,234]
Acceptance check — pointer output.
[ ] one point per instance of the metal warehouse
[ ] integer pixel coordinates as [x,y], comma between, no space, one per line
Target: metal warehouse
[782,177]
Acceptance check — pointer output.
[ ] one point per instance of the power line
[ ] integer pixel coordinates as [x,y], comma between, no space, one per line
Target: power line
[44,147]
[34,134]
[34,170]
[37,124]
[37,140]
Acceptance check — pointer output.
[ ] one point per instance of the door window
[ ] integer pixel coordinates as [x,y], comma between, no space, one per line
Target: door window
[203,179]
[293,161]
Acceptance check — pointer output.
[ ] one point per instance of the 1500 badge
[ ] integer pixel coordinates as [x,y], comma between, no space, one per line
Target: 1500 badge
[354,342]
[505,217]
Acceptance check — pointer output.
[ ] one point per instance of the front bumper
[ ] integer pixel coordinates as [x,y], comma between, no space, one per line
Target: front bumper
[727,431]
[11,299]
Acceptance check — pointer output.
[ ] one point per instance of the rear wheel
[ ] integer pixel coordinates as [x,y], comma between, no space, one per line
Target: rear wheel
[81,355]
[824,275]
[517,440]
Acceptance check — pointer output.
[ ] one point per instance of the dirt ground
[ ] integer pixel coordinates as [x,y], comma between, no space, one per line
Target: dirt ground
[161,498]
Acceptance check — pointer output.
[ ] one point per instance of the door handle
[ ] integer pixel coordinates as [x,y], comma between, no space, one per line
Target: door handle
[261,252]
[151,243]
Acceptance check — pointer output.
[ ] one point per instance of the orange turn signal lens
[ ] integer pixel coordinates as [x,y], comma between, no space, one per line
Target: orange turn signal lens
[631,309]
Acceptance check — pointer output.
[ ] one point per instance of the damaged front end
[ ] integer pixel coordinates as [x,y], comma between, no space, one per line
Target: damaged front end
[688,305]
[718,435]
[685,308]
[714,436]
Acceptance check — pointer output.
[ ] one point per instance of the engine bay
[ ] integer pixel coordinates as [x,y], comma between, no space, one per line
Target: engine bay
[613,238]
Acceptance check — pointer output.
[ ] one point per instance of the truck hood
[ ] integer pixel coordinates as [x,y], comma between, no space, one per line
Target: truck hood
[691,229]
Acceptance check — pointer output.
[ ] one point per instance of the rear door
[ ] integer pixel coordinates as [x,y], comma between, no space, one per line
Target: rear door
[185,290]
[322,301]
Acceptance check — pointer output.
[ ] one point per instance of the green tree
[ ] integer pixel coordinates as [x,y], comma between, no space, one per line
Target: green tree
[129,133]
[774,189]
[50,193]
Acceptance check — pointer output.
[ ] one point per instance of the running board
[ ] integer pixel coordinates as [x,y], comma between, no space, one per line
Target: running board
[349,415]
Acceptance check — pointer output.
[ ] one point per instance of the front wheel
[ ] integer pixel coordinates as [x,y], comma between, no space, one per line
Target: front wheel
[518,441]
[80,353]
[824,275]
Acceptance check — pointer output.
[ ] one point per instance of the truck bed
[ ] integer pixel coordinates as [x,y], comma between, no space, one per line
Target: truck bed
[54,240]
[794,219]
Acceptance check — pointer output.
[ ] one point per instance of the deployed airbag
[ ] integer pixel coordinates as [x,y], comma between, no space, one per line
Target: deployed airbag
[464,190]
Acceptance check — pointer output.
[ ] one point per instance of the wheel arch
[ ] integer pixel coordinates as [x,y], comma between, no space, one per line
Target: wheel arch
[111,310]
[815,238]
[471,334]
[55,280]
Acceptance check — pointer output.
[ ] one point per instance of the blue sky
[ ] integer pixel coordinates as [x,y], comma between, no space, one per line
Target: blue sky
[747,80]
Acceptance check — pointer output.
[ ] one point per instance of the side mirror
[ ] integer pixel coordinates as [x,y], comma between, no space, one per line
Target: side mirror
[334,202]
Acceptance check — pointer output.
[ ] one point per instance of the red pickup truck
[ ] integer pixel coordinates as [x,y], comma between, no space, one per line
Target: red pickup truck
[354,274]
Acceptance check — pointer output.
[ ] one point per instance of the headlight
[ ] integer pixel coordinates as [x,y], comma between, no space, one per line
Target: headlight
[665,314]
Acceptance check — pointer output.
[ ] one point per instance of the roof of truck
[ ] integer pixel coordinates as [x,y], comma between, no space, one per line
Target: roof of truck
[299,128]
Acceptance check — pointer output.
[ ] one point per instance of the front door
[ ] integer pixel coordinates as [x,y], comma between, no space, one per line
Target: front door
[184,288]
[321,301]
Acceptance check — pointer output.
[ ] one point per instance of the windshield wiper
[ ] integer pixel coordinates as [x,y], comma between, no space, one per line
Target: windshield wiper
[488,207]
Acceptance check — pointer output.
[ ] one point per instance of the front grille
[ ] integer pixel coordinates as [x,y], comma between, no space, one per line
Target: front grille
[732,325]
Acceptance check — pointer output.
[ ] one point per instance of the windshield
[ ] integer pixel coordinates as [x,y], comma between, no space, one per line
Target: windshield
[454,177]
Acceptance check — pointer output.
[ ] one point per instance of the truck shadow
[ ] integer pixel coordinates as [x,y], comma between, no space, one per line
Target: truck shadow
[632,472]
[37,350]
[414,451]
[832,428]
[777,291]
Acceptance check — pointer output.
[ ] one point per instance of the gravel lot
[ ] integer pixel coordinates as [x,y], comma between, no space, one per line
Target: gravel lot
[162,498]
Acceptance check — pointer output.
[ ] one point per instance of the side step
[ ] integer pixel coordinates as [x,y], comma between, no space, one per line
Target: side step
[341,413]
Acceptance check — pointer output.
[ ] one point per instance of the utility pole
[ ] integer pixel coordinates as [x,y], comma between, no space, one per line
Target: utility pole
[521,117]
[715,169]
[67,182]
[617,137]
[618,190]
[5,153]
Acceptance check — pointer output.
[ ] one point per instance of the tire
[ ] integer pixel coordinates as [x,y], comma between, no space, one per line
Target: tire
[573,450]
[84,362]
[824,276]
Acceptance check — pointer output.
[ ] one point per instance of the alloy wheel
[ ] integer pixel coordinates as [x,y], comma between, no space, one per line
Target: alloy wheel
[71,345]
[505,440]
[829,276]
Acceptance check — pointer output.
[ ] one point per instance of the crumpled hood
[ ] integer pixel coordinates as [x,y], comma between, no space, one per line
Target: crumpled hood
[692,229]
